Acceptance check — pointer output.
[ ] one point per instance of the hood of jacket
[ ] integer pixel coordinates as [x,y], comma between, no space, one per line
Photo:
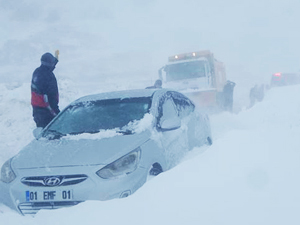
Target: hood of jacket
[49,61]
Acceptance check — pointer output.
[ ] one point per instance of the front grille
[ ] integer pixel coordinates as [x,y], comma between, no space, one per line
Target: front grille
[52,181]
[34,207]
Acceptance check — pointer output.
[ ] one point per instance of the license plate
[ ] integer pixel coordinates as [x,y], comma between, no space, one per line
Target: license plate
[53,195]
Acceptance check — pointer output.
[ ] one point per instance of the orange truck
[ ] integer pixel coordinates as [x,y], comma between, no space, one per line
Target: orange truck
[198,75]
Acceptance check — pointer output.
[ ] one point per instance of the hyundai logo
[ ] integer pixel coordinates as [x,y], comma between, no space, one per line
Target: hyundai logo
[52,181]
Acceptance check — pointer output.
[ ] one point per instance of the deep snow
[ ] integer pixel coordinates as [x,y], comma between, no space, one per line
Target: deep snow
[248,176]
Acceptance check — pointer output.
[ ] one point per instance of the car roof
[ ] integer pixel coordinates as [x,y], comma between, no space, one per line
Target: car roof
[120,94]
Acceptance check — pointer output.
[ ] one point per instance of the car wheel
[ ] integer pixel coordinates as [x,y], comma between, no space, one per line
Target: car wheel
[154,170]
[208,141]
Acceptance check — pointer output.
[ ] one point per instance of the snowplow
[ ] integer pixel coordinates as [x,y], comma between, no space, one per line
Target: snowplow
[200,76]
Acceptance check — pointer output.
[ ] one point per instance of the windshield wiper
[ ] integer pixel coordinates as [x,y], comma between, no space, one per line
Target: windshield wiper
[84,132]
[125,132]
[56,134]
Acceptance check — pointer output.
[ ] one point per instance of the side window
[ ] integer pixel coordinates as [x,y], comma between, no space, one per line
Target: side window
[167,110]
[183,104]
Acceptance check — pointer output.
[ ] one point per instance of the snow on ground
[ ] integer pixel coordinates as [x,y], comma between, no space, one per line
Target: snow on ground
[250,175]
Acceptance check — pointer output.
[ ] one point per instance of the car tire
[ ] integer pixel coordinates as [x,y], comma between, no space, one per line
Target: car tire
[154,170]
[208,141]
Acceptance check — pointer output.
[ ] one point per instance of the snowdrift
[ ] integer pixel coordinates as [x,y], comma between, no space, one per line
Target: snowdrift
[250,175]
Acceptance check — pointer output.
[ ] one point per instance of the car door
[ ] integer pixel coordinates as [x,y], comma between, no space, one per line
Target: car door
[197,124]
[190,119]
[173,135]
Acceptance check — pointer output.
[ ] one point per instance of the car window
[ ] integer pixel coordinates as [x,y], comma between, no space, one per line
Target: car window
[186,70]
[167,109]
[183,104]
[93,116]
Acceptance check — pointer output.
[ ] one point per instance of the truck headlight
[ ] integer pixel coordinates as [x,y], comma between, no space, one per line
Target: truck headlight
[125,165]
[7,174]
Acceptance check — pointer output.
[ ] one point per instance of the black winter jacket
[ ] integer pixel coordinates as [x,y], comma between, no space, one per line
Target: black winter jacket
[44,91]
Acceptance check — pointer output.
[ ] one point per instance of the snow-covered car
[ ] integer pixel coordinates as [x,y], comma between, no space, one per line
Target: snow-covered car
[101,147]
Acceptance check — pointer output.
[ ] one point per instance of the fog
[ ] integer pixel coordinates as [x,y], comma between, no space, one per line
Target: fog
[103,40]
[121,45]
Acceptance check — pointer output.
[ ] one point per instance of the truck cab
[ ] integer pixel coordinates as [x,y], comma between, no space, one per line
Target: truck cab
[197,74]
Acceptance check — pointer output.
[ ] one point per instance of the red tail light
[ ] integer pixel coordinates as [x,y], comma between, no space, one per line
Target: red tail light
[277,74]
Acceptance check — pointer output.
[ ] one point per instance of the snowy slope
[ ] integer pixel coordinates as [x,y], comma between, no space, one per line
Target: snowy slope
[248,176]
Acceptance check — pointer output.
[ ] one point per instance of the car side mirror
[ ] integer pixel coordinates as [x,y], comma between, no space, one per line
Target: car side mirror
[170,124]
[37,132]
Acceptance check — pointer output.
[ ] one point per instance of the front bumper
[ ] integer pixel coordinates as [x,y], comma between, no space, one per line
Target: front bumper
[29,199]
[34,207]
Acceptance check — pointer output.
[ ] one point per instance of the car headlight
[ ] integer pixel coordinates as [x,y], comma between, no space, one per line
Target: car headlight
[7,174]
[125,165]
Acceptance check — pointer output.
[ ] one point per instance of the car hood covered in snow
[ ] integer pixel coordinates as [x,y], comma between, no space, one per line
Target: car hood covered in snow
[77,152]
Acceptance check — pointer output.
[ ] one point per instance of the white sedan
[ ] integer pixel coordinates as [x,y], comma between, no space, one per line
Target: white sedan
[102,147]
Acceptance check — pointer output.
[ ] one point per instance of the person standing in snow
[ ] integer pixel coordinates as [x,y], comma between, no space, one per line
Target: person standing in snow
[252,95]
[157,84]
[44,91]
[228,95]
[256,94]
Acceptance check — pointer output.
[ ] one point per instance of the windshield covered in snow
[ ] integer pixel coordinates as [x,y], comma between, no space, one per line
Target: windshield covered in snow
[93,116]
[186,70]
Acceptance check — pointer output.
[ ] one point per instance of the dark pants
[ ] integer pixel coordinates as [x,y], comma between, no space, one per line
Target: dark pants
[42,116]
